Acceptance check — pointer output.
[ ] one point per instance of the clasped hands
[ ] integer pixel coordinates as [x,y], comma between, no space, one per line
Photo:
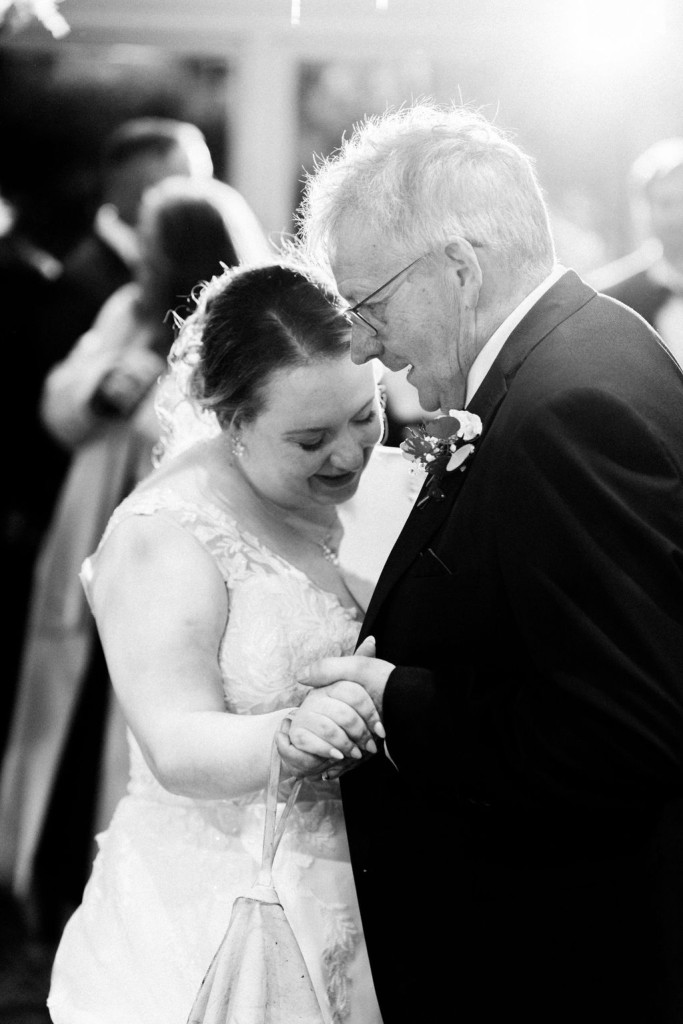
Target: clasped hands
[335,726]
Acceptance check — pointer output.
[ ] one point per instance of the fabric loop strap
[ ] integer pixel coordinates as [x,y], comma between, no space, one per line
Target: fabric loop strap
[274,828]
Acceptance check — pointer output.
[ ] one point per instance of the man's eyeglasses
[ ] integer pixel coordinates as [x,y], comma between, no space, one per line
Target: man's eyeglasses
[357,318]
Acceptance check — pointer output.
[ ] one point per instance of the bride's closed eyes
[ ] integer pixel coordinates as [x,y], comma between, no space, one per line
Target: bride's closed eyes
[312,446]
[314,435]
[317,443]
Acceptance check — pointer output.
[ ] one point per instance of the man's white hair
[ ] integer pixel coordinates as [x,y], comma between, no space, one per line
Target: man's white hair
[419,176]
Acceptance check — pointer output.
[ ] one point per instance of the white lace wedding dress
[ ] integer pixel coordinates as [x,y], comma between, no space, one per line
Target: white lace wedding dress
[169,867]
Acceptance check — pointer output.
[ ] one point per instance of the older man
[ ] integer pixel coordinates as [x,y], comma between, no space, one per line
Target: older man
[517,846]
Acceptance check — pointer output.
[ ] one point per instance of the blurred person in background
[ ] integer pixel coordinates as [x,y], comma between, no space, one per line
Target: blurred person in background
[98,402]
[51,303]
[136,155]
[650,279]
[28,277]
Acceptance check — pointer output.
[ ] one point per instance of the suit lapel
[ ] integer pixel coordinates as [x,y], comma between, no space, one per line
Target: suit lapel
[424,520]
[562,300]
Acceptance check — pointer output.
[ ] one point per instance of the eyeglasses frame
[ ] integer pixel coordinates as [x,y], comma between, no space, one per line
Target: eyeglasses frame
[353,311]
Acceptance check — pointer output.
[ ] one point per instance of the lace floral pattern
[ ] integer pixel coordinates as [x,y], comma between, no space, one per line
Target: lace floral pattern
[168,861]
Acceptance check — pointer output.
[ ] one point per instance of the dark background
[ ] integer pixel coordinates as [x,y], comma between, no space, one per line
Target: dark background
[57,107]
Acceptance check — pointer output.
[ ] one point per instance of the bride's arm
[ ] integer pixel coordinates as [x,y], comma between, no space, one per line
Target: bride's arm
[161,608]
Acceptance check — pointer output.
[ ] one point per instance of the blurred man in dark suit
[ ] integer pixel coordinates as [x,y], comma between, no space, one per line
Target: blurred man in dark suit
[138,154]
[34,466]
[650,280]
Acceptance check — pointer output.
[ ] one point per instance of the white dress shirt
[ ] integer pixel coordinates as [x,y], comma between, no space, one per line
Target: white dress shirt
[485,358]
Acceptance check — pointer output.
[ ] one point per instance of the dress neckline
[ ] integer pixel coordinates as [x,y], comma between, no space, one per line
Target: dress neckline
[215,512]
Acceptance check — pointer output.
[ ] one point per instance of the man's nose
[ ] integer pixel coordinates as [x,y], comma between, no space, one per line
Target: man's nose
[364,345]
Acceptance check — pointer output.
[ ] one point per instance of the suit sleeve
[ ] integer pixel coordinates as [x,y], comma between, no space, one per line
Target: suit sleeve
[588,548]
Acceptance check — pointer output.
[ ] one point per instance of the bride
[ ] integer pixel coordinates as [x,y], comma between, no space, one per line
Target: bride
[216,582]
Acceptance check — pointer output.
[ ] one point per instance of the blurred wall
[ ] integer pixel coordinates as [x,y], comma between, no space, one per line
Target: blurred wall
[584,87]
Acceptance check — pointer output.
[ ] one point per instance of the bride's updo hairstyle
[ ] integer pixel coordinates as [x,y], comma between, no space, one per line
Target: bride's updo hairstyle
[253,322]
[249,322]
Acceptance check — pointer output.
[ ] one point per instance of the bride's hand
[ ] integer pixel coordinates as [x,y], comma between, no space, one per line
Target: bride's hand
[336,722]
[334,726]
[298,762]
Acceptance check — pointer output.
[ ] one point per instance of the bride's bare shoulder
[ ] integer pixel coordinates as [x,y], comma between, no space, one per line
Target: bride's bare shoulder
[149,555]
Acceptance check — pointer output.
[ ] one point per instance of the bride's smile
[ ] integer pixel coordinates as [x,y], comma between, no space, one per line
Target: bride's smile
[311,440]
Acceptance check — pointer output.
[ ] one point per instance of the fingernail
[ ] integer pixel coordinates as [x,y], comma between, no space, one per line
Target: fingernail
[355,752]
[379,730]
[371,747]
[336,754]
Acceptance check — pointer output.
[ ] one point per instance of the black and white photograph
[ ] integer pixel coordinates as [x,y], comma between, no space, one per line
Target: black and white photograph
[343,518]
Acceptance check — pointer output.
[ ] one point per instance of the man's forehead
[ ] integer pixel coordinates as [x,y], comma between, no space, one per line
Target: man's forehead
[356,252]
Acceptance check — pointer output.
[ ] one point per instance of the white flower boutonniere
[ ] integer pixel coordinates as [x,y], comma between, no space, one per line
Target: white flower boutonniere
[442,446]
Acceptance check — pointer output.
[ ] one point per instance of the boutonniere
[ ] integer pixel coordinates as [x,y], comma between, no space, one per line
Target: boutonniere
[442,446]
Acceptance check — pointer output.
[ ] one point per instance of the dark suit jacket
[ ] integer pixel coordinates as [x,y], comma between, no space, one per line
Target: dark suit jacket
[92,272]
[33,463]
[525,861]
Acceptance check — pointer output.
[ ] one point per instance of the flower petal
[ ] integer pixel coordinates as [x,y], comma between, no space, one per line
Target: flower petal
[457,460]
[443,427]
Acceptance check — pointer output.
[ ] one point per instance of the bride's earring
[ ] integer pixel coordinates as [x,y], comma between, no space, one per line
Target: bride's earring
[237,446]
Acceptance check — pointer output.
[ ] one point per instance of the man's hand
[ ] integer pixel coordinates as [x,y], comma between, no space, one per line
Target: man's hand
[336,721]
[362,668]
[332,726]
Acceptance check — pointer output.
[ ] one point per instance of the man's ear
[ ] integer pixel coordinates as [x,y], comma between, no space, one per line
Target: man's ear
[466,264]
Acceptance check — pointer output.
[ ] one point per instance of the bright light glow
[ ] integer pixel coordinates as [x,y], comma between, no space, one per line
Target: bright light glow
[611,33]
[295,9]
